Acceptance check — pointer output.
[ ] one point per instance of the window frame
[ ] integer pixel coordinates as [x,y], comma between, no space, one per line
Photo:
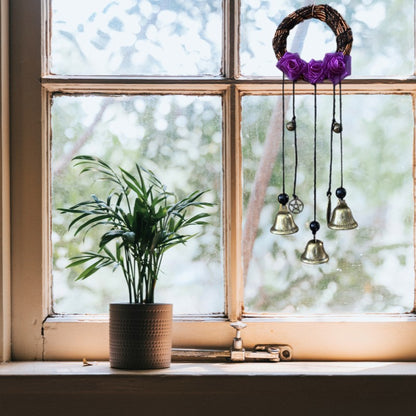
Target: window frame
[39,335]
[5,283]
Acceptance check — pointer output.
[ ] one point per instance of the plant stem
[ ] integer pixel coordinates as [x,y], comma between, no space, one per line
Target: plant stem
[127,279]
[131,272]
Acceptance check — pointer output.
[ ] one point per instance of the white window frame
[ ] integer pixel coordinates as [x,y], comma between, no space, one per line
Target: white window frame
[38,335]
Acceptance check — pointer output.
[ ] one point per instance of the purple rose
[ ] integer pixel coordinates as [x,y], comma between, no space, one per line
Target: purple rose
[337,66]
[315,72]
[291,65]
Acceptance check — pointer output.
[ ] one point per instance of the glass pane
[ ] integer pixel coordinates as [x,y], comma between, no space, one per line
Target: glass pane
[378,50]
[136,37]
[371,269]
[179,138]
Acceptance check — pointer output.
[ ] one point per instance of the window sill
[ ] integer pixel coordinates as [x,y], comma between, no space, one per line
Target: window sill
[297,388]
[293,368]
[370,337]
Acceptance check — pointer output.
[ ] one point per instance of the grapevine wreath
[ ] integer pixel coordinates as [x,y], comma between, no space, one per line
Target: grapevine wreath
[335,66]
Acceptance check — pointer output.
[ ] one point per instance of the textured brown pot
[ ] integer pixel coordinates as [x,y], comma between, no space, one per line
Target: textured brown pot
[140,335]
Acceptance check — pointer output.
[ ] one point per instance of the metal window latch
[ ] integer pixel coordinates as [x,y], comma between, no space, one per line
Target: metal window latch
[267,352]
[237,353]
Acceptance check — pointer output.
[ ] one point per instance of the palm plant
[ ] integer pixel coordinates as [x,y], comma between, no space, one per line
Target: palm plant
[140,221]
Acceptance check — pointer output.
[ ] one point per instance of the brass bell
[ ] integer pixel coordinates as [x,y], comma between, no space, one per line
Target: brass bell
[284,223]
[314,253]
[341,218]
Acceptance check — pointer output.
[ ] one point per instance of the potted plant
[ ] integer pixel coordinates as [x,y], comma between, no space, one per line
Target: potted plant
[139,220]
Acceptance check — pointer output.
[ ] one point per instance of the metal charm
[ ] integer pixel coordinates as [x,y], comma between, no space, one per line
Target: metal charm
[337,127]
[296,205]
[291,125]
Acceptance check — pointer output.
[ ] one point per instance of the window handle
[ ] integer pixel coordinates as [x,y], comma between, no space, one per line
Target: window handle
[237,353]
[267,352]
[237,341]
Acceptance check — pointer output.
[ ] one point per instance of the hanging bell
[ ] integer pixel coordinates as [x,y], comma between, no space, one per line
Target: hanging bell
[341,218]
[314,253]
[284,223]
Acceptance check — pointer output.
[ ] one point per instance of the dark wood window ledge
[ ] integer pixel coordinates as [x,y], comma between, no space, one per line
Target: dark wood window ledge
[285,388]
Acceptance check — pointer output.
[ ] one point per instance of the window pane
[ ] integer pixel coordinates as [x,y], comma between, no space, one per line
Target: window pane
[140,37]
[371,268]
[179,138]
[377,49]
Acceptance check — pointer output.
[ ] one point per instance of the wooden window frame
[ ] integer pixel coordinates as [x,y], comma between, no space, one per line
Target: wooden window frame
[39,335]
[5,281]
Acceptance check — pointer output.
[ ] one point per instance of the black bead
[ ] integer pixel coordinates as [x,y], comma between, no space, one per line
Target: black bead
[314,226]
[283,199]
[341,193]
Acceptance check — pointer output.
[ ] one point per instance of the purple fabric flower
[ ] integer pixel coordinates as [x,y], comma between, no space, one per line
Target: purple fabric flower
[337,66]
[292,65]
[315,72]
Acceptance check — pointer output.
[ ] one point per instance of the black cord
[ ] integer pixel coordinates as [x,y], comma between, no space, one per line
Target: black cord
[283,133]
[340,136]
[331,153]
[295,139]
[314,154]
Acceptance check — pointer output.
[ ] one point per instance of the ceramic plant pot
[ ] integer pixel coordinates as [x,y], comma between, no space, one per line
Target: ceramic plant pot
[140,335]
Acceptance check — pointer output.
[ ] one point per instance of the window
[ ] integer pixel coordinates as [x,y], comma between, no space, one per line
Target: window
[124,75]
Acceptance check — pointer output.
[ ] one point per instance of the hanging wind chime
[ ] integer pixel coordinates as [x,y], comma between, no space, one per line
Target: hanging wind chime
[334,67]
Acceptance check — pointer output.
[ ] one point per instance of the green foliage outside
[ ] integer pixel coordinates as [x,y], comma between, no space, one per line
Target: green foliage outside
[165,134]
[370,268]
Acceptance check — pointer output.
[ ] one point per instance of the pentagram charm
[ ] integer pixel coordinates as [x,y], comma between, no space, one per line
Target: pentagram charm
[295,205]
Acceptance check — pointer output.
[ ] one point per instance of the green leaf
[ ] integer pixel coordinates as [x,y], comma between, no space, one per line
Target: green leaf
[109,236]
[93,222]
[90,270]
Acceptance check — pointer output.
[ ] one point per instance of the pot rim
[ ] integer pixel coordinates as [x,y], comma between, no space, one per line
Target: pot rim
[139,304]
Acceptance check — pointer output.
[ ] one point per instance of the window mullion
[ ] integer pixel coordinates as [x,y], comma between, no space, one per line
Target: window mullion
[232,203]
[231,40]
[232,209]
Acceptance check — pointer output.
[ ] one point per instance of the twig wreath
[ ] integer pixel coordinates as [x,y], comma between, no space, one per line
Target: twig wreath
[334,67]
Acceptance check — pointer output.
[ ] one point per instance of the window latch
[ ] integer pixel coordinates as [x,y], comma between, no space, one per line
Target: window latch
[237,353]
[260,352]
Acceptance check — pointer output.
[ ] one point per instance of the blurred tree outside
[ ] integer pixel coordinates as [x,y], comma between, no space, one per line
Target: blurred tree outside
[370,268]
[280,282]
[136,37]
[167,134]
